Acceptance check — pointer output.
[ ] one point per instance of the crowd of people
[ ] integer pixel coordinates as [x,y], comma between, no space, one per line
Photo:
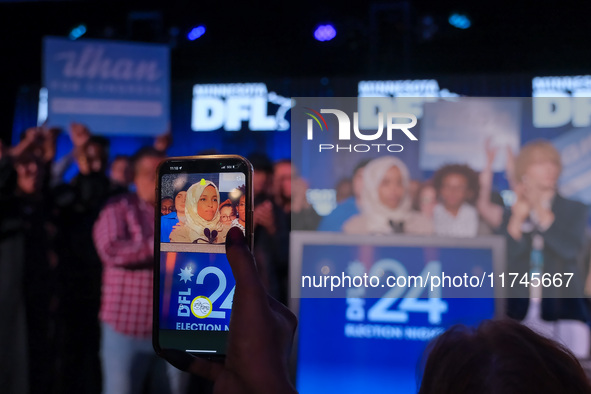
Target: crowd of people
[77,294]
[83,248]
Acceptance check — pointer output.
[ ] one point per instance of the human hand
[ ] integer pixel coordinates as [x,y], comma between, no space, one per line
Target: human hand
[49,142]
[260,336]
[540,203]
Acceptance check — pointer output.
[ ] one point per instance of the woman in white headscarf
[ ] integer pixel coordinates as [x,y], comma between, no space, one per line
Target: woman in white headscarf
[202,216]
[386,205]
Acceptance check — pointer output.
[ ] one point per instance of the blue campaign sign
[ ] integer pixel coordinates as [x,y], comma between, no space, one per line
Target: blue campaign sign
[197,290]
[114,88]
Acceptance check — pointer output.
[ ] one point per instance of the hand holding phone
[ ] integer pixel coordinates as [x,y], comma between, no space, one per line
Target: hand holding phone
[260,338]
[193,282]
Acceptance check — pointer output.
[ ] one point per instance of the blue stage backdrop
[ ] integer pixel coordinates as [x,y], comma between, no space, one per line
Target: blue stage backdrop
[242,117]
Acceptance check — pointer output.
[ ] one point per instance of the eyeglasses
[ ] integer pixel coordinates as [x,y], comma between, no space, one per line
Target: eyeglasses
[228,217]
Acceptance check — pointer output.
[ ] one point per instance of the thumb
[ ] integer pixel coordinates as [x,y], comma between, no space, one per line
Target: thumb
[243,264]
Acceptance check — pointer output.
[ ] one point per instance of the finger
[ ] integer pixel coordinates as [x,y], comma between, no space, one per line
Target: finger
[242,262]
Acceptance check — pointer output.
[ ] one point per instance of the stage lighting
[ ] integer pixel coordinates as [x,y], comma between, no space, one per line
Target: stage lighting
[196,32]
[325,32]
[77,32]
[460,21]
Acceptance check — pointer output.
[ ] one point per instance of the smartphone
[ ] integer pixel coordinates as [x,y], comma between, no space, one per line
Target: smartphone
[199,199]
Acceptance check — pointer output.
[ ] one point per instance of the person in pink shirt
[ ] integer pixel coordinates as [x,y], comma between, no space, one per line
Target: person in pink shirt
[124,239]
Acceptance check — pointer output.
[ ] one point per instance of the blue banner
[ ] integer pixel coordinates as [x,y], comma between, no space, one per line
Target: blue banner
[114,88]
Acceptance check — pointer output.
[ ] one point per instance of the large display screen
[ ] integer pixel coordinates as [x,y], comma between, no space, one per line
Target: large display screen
[348,343]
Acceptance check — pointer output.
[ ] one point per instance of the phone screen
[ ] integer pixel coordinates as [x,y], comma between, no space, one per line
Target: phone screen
[200,200]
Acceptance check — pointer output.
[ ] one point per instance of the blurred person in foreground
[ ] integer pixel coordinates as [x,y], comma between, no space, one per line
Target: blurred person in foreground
[500,357]
[124,239]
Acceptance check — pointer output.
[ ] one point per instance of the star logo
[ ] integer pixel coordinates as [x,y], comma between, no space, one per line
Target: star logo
[186,274]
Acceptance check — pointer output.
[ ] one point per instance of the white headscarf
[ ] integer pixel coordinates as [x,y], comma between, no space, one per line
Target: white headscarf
[376,214]
[196,223]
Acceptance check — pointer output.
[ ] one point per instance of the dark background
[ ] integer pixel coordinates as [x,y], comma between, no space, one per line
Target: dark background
[247,41]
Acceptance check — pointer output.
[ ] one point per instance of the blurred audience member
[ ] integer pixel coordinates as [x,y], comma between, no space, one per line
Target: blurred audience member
[166,205]
[124,238]
[457,189]
[270,227]
[350,207]
[386,206]
[425,199]
[500,356]
[77,205]
[31,220]
[121,172]
[262,177]
[290,195]
[13,326]
[343,190]
[545,234]
[35,208]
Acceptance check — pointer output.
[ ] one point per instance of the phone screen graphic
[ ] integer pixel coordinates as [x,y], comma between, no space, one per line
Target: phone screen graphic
[194,279]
